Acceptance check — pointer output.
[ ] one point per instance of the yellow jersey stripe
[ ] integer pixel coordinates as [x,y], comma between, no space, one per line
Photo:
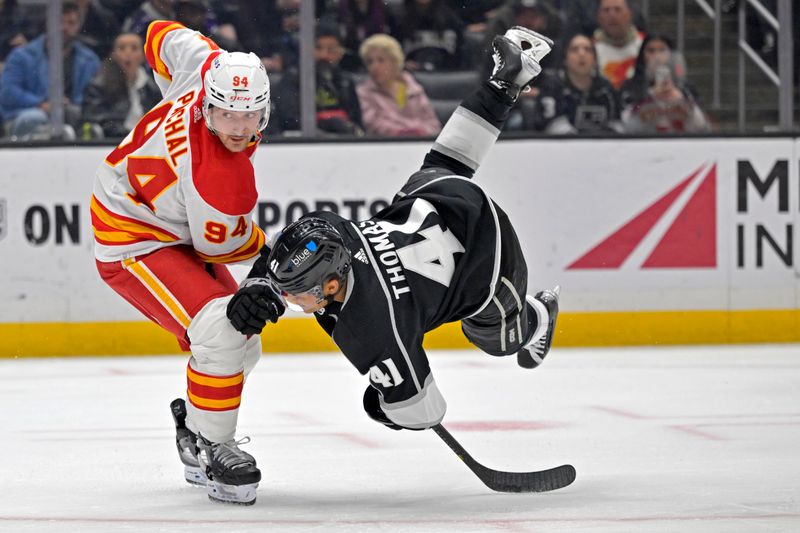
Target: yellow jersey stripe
[157,289]
[254,244]
[120,237]
[127,226]
[161,68]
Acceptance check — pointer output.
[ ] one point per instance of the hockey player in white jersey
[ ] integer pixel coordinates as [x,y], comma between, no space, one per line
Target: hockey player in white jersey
[442,251]
[172,204]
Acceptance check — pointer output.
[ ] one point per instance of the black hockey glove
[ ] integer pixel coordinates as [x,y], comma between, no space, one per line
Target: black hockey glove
[257,302]
[372,405]
[259,269]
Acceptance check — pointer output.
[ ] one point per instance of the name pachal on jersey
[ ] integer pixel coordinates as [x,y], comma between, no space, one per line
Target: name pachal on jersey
[171,181]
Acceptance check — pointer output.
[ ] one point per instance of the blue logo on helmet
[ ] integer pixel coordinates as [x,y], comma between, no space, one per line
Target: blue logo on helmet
[311,246]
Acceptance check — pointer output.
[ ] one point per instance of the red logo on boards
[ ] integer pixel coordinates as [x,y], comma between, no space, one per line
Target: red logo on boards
[689,242]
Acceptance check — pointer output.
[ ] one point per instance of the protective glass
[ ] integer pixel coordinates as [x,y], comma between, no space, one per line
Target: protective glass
[236,123]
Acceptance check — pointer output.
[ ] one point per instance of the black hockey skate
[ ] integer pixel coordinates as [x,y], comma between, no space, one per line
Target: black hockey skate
[517,54]
[186,441]
[232,474]
[544,307]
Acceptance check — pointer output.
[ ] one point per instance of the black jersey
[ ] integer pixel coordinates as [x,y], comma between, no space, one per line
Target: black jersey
[441,252]
[590,111]
[428,258]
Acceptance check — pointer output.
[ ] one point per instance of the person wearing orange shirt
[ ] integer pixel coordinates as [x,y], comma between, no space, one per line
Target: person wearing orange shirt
[617,41]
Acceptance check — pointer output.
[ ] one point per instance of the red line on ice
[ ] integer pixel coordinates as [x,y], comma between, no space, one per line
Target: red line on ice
[620,412]
[692,430]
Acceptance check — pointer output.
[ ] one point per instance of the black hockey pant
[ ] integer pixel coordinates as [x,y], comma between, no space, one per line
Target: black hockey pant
[506,324]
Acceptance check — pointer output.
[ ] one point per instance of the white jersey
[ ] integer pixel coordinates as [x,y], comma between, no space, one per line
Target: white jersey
[171,181]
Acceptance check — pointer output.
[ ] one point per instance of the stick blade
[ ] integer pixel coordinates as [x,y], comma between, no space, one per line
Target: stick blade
[500,481]
[539,481]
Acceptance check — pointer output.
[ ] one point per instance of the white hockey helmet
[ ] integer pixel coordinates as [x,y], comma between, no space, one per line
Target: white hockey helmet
[237,82]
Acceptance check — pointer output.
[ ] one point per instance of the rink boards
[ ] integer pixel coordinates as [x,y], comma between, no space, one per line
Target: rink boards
[654,241]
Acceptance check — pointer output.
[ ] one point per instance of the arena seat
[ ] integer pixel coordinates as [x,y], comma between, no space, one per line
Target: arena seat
[446,89]
[453,85]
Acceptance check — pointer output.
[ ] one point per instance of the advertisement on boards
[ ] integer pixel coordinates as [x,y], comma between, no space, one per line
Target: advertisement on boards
[633,225]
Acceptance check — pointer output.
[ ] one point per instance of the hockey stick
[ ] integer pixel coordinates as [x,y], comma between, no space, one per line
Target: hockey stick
[500,481]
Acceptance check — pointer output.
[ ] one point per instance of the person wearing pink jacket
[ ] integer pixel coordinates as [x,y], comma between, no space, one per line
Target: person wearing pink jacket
[392,103]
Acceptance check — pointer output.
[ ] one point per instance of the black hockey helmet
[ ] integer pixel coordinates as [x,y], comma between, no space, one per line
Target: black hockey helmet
[306,254]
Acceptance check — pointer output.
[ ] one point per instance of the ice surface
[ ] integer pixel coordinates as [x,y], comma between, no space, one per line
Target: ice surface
[663,439]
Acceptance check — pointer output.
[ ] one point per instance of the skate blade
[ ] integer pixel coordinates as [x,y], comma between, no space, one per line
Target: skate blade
[195,475]
[233,494]
[525,359]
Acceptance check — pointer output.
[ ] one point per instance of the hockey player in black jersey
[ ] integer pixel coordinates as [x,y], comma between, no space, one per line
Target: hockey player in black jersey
[442,251]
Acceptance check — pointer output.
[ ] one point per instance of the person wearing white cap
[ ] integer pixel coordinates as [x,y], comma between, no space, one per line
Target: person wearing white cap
[172,205]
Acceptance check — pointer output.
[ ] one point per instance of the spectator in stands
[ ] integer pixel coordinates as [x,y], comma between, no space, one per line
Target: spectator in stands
[122,91]
[431,35]
[617,41]
[282,46]
[577,100]
[359,19]
[269,28]
[24,97]
[392,102]
[122,9]
[258,27]
[148,11]
[99,27]
[666,109]
[337,104]
[656,50]
[192,14]
[579,16]
[16,27]
[475,13]
[198,15]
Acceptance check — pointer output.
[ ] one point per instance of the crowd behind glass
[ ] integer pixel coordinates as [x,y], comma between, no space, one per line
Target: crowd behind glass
[383,68]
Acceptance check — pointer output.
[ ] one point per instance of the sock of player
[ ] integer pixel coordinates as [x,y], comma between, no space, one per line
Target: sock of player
[473,128]
[215,373]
